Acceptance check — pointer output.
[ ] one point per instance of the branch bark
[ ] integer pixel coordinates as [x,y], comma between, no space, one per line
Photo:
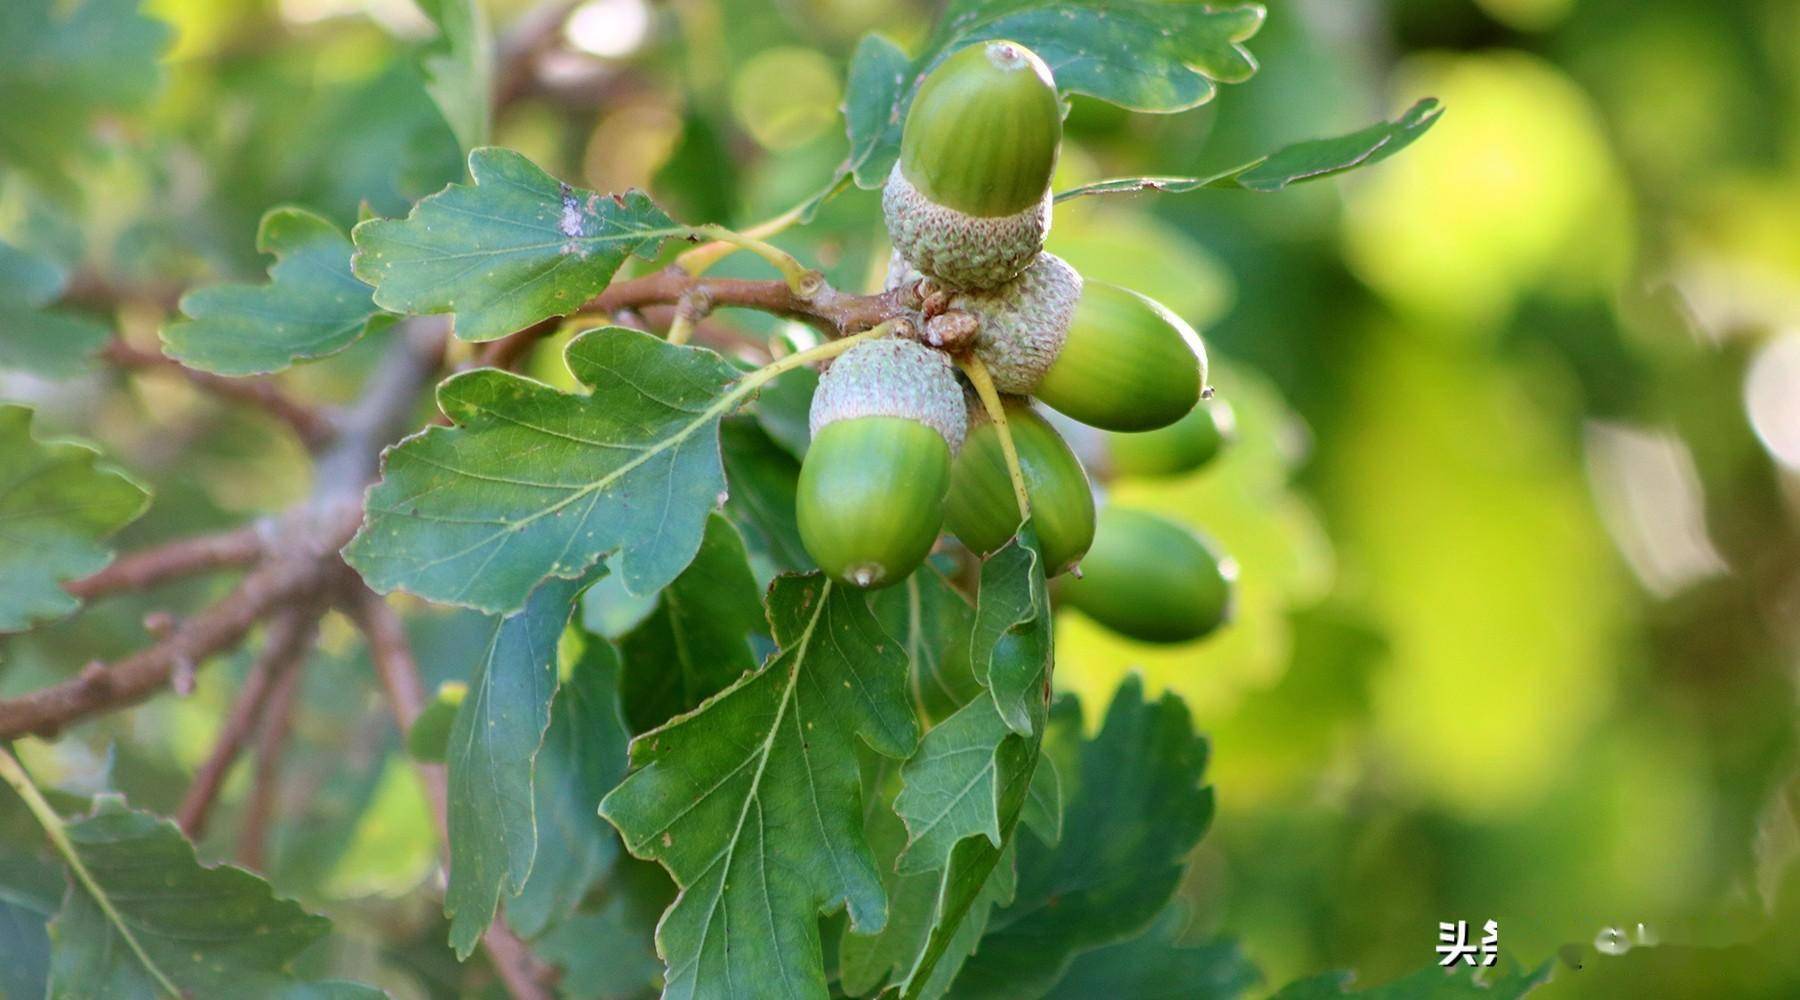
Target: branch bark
[520,970]
[289,638]
[301,553]
[189,556]
[312,426]
[834,313]
[265,787]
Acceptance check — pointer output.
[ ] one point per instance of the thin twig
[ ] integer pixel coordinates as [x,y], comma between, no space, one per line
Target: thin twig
[289,638]
[302,552]
[271,744]
[835,313]
[517,967]
[186,557]
[313,427]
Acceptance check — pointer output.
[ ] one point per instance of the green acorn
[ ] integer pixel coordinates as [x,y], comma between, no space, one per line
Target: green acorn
[1105,355]
[968,202]
[1127,364]
[1151,579]
[982,510]
[1183,446]
[886,419]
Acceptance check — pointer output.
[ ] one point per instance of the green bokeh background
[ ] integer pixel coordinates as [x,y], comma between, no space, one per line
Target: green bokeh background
[1515,502]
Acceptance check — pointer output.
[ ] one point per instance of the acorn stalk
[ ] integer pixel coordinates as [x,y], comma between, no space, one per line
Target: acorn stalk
[982,510]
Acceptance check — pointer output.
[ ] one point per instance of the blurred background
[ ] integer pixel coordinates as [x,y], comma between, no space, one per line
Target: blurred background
[1515,499]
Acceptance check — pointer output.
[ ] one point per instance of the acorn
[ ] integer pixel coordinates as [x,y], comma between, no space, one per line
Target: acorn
[886,419]
[1151,579]
[1184,446]
[982,510]
[968,202]
[1102,354]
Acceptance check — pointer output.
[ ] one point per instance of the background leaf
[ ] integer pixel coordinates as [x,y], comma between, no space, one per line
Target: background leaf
[312,306]
[170,902]
[56,504]
[44,342]
[460,75]
[1156,966]
[1137,810]
[64,62]
[515,247]
[583,757]
[754,804]
[493,747]
[697,641]
[534,483]
[1140,55]
[1295,164]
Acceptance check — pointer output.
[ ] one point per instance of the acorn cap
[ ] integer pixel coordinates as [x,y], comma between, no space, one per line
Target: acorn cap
[892,377]
[1024,322]
[1127,364]
[984,513]
[964,251]
[982,134]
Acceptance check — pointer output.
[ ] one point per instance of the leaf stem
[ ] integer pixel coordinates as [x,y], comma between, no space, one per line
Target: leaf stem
[973,367]
[803,281]
[700,259]
[830,349]
[14,774]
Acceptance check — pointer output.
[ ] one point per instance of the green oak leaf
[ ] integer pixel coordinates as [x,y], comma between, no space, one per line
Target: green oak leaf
[535,483]
[1430,983]
[1137,810]
[1139,54]
[583,757]
[866,962]
[167,904]
[515,247]
[966,789]
[25,941]
[1156,966]
[34,339]
[311,307]
[609,952]
[697,641]
[765,482]
[1295,164]
[1011,643]
[753,801]
[934,622]
[56,504]
[784,409]
[63,63]
[460,74]
[493,748]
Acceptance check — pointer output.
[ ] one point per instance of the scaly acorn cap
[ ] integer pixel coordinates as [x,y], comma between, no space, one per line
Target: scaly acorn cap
[1024,322]
[968,201]
[892,377]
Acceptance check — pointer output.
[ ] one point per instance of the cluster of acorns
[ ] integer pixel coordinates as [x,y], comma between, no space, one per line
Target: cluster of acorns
[901,447]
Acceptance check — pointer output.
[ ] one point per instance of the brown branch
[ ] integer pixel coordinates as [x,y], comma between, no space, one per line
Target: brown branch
[271,744]
[834,313]
[189,556]
[289,638]
[521,971]
[273,585]
[313,427]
